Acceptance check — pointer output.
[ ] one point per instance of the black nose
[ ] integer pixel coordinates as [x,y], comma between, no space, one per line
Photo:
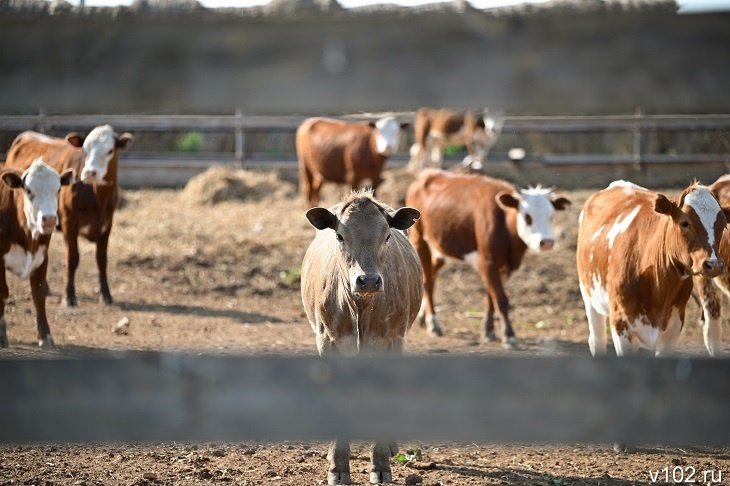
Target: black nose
[368,284]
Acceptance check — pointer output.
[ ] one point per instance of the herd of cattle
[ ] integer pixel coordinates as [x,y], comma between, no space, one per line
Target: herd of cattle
[370,271]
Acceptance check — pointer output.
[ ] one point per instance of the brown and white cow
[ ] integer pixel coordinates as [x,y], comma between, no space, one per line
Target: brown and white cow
[486,222]
[344,152]
[709,288]
[361,290]
[87,207]
[28,216]
[434,128]
[637,253]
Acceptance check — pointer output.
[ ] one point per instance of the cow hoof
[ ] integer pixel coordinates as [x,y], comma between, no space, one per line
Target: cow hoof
[70,302]
[107,299]
[625,448]
[436,332]
[378,477]
[47,343]
[511,344]
[491,338]
[4,342]
[338,478]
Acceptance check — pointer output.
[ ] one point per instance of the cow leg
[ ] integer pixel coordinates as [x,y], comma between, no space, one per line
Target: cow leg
[667,341]
[305,182]
[339,462]
[102,246]
[314,191]
[488,323]
[495,290]
[380,454]
[711,303]
[38,292]
[4,294]
[625,346]
[437,153]
[597,339]
[70,237]
[430,266]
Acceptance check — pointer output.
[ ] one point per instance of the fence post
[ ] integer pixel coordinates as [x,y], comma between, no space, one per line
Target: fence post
[638,162]
[240,139]
[41,120]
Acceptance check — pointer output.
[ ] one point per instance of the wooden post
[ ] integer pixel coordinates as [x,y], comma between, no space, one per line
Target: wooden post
[41,120]
[240,139]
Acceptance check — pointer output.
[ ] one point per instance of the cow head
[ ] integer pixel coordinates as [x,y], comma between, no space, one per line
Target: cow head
[697,226]
[485,139]
[362,230]
[40,185]
[535,209]
[387,134]
[100,147]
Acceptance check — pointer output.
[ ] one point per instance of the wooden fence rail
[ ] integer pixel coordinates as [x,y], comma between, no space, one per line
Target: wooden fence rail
[159,397]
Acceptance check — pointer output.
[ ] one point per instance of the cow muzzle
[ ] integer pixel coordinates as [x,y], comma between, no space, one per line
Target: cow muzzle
[713,267]
[368,284]
[547,244]
[48,224]
[88,176]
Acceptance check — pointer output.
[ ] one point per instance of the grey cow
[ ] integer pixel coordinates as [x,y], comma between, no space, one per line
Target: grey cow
[362,289]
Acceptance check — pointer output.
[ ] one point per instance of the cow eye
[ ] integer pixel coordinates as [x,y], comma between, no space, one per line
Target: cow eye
[528,219]
[111,151]
[684,224]
[339,237]
[29,193]
[387,238]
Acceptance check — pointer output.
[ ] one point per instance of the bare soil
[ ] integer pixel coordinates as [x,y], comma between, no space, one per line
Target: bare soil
[222,278]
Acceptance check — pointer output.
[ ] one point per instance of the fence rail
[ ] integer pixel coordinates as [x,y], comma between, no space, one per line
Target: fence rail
[161,397]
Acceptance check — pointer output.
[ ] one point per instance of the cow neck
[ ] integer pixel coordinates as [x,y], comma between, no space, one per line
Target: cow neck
[21,228]
[669,262]
[107,190]
[380,158]
[519,247]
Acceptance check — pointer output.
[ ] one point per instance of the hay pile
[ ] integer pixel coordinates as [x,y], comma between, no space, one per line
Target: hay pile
[219,184]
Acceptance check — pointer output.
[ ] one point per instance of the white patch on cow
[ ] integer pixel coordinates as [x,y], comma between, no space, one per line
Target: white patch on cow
[626,185]
[21,262]
[536,203]
[99,151]
[620,226]
[668,339]
[41,184]
[707,209]
[590,259]
[580,217]
[597,296]
[387,135]
[598,233]
[644,332]
[471,259]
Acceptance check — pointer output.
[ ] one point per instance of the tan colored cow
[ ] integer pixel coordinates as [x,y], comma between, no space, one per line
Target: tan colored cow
[361,290]
[28,217]
[637,253]
[486,222]
[709,288]
[86,207]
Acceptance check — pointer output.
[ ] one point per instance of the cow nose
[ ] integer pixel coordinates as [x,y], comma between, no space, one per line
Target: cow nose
[713,267]
[90,174]
[368,284]
[48,220]
[546,244]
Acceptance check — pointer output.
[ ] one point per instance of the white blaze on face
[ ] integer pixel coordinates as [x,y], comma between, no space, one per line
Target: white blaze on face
[620,226]
[387,135]
[41,185]
[99,150]
[707,209]
[534,223]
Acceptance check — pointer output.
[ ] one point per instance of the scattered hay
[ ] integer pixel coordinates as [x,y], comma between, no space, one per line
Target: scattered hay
[219,184]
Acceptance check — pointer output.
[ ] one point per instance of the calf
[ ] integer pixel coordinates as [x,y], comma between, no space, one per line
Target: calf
[87,207]
[343,152]
[28,216]
[433,129]
[361,289]
[486,222]
[637,253]
[709,288]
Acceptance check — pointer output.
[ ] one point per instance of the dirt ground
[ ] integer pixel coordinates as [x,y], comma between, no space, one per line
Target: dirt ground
[223,279]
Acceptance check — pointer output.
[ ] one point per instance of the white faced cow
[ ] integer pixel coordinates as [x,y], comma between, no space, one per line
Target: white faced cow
[486,222]
[637,253]
[28,217]
[361,290]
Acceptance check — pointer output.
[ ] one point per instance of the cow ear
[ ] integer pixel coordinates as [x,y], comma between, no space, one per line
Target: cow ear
[662,205]
[124,140]
[68,177]
[404,125]
[75,139]
[403,218]
[508,200]
[726,212]
[561,203]
[12,178]
[321,218]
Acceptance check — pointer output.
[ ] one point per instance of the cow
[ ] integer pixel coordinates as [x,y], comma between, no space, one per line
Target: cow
[709,288]
[486,222]
[344,152]
[28,216]
[434,128]
[637,253]
[361,290]
[87,207]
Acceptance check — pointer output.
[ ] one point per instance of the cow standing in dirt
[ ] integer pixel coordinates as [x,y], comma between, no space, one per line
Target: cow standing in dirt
[361,290]
[87,207]
[486,222]
[28,217]
[709,288]
[435,128]
[346,153]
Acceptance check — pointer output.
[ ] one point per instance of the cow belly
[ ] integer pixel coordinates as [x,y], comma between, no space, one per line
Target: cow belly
[21,262]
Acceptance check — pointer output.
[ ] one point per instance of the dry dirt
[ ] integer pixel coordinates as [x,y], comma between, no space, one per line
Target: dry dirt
[223,279]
